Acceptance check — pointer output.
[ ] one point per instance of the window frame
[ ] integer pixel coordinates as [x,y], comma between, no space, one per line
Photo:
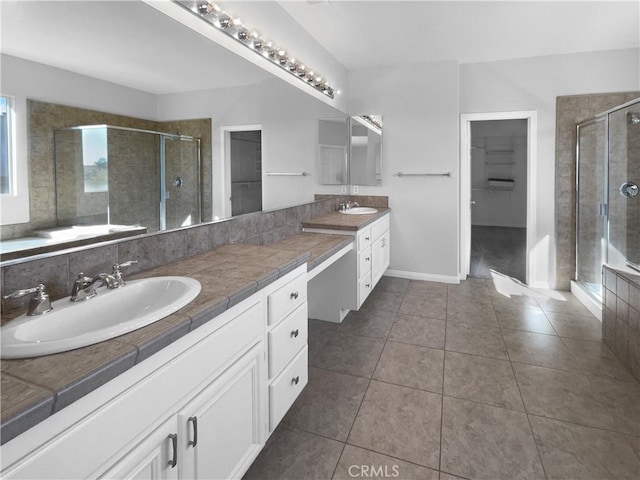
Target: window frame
[15,206]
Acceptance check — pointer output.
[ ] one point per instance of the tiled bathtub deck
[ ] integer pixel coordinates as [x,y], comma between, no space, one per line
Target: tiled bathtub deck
[433,381]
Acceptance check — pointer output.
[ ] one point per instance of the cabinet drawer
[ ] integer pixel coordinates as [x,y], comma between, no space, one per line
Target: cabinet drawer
[364,288]
[364,239]
[286,339]
[286,299]
[286,387]
[364,262]
[379,227]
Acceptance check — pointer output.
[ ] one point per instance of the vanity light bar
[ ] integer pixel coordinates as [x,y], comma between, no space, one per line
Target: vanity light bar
[213,13]
[373,121]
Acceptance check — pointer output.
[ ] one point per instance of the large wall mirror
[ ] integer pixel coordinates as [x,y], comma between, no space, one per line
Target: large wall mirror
[125,65]
[365,151]
[350,150]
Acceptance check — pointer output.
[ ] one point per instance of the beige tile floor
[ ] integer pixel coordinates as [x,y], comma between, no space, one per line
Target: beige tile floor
[434,381]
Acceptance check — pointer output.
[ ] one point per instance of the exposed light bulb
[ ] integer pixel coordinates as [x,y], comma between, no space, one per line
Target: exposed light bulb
[211,12]
[243,34]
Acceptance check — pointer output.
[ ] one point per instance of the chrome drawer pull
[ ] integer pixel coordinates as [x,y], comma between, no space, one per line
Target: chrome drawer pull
[294,295]
[194,421]
[366,238]
[295,380]
[174,444]
[367,285]
[367,259]
[294,333]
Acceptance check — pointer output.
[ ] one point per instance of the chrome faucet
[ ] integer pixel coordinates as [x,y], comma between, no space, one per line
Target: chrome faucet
[117,274]
[84,287]
[348,205]
[39,303]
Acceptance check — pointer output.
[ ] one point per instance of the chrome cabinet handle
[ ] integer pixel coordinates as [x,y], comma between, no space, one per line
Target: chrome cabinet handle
[367,259]
[174,444]
[294,295]
[294,333]
[366,238]
[295,380]
[194,421]
[367,285]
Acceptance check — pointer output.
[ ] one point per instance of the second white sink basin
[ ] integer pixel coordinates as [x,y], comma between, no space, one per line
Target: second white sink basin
[109,314]
[359,211]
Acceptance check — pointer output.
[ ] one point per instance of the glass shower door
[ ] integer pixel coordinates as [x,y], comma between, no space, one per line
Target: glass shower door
[623,181]
[591,238]
[181,181]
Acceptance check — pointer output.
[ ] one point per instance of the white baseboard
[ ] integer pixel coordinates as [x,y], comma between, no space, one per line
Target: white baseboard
[429,277]
[587,300]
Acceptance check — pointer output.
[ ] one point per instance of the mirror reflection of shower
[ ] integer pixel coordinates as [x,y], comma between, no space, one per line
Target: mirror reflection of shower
[119,178]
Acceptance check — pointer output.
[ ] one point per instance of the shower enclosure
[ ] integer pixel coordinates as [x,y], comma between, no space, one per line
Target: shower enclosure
[607,199]
[118,176]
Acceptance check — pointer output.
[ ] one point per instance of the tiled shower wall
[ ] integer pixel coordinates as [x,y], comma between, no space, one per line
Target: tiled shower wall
[571,110]
[59,271]
[44,118]
[621,317]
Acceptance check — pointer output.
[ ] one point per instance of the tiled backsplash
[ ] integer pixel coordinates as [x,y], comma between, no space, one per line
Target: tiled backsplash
[58,271]
[621,317]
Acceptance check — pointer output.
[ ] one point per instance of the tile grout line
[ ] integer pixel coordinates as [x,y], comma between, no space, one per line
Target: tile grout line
[355,417]
[526,413]
[444,361]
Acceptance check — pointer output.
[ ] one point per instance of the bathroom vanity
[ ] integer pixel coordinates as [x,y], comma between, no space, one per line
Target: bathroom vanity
[202,407]
[346,284]
[197,394]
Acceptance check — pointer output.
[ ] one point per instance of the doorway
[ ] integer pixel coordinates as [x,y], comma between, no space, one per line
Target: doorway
[498,198]
[243,162]
[497,195]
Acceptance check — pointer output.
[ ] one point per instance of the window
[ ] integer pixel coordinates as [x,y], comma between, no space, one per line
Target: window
[94,153]
[6,151]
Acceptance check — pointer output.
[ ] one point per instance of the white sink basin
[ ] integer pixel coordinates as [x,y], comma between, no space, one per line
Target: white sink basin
[109,314]
[359,211]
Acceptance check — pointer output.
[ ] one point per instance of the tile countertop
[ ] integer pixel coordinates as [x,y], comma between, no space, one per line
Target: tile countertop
[32,389]
[341,221]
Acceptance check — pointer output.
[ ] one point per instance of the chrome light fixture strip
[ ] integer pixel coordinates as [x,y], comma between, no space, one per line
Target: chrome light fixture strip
[213,14]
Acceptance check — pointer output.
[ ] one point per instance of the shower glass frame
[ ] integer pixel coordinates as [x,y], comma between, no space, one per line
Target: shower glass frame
[163,136]
[604,209]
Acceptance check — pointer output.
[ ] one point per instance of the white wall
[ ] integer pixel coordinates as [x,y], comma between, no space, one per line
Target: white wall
[419,106]
[289,121]
[534,84]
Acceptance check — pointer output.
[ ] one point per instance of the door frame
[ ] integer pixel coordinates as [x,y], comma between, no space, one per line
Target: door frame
[225,167]
[465,186]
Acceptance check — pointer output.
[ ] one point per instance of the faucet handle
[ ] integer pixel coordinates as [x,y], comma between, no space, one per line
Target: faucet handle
[40,302]
[24,292]
[117,274]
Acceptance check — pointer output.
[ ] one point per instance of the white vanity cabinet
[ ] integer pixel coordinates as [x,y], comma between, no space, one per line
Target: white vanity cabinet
[201,408]
[347,283]
[220,430]
[287,333]
[153,458]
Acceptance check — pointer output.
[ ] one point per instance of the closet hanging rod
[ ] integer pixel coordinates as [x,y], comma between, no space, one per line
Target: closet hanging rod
[445,174]
[287,174]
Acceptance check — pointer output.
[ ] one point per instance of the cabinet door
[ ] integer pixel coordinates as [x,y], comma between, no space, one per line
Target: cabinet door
[153,459]
[380,254]
[221,425]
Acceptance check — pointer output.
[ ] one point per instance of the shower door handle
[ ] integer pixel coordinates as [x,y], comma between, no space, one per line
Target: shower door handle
[603,209]
[629,190]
